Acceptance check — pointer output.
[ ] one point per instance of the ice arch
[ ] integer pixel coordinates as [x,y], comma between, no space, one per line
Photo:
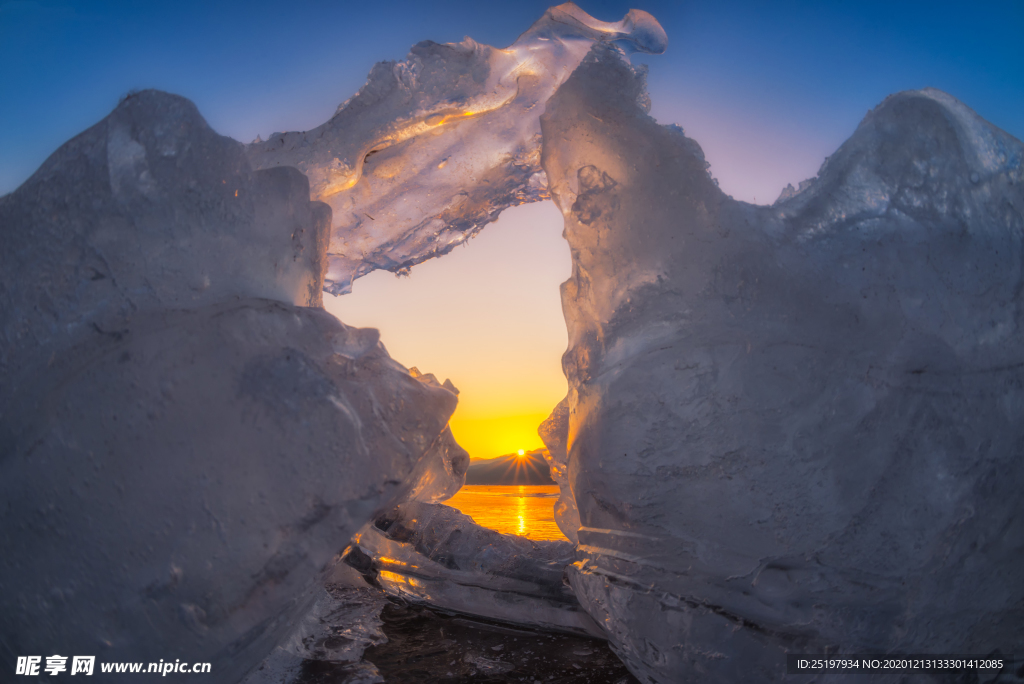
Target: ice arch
[756,393]
[431,149]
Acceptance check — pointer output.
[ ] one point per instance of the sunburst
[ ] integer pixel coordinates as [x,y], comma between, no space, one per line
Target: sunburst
[521,468]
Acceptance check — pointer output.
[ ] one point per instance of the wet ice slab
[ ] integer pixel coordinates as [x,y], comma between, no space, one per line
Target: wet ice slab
[432,554]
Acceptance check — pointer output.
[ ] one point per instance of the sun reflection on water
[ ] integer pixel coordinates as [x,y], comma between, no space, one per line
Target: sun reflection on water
[524,510]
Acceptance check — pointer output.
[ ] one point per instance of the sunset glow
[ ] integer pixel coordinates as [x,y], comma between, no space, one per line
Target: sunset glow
[489,317]
[521,513]
[487,437]
[288,291]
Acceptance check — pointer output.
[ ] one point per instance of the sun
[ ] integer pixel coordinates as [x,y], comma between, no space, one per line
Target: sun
[522,452]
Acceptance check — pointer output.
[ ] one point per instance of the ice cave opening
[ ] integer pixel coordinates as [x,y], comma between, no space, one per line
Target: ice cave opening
[488,317]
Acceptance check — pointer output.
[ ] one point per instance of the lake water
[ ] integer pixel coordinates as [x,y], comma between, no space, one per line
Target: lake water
[525,510]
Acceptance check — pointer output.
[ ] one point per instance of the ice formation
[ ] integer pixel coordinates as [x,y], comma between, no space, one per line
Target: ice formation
[343,622]
[433,148]
[187,439]
[432,553]
[789,428]
[554,432]
[441,471]
[795,427]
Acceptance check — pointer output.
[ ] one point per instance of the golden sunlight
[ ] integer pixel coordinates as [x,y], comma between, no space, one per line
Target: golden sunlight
[488,437]
[524,510]
[521,510]
[488,316]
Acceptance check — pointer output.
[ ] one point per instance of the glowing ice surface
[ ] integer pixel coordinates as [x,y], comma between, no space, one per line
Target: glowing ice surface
[433,148]
[442,470]
[554,431]
[432,553]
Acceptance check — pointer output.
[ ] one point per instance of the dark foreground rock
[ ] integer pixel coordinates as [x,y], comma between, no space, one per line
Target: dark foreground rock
[426,645]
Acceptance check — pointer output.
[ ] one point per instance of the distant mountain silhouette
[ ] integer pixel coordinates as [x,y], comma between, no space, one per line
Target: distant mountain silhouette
[513,469]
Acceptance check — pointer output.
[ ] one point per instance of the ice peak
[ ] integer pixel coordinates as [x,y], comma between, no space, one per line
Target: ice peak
[638,28]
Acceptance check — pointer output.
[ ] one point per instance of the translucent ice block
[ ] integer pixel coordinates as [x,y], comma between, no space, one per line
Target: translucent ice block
[431,149]
[431,553]
[792,428]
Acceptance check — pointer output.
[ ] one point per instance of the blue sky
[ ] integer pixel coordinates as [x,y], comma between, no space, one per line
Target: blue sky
[768,89]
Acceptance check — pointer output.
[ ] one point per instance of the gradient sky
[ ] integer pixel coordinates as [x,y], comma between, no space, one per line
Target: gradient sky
[767,89]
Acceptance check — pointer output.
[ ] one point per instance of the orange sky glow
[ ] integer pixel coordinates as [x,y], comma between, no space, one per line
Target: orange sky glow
[489,317]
